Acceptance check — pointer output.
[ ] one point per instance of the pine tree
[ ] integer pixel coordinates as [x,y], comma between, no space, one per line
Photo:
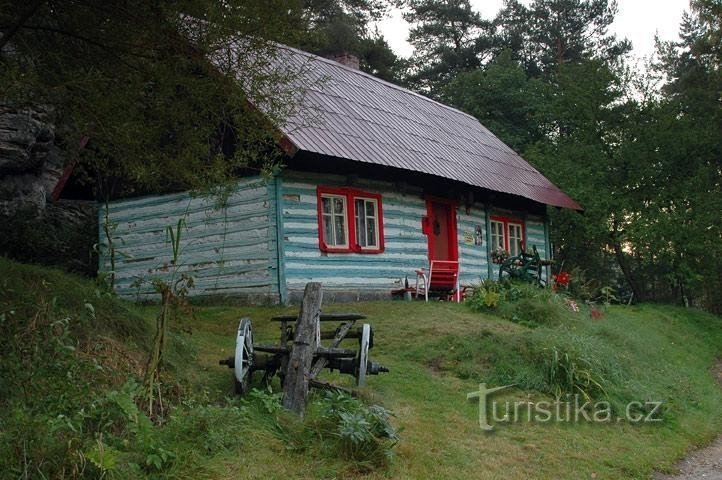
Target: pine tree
[448,37]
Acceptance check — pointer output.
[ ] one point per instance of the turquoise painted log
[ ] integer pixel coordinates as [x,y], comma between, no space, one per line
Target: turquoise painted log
[228,250]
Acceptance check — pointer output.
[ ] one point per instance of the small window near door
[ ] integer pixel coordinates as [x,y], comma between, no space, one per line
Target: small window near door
[515,239]
[349,220]
[508,234]
[497,235]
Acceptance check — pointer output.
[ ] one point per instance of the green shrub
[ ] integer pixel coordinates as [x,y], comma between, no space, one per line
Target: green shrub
[342,426]
[543,360]
[66,347]
[485,297]
[568,373]
[519,302]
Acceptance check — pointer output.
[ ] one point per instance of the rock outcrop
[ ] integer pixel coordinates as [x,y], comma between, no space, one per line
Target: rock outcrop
[30,161]
[32,227]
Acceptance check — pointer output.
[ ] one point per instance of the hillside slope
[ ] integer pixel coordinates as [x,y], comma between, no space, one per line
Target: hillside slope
[73,359]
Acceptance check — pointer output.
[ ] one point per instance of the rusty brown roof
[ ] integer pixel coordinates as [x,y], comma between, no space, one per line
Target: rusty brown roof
[350,114]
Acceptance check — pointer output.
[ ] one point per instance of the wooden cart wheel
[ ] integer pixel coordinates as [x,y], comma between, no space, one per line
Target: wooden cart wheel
[505,272]
[244,357]
[363,354]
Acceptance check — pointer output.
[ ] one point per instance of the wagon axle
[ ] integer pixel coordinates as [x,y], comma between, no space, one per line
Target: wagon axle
[250,357]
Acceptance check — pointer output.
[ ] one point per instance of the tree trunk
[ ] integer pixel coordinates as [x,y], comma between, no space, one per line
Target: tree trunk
[305,343]
[627,271]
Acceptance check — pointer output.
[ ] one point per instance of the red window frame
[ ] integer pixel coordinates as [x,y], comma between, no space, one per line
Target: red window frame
[351,195]
[505,221]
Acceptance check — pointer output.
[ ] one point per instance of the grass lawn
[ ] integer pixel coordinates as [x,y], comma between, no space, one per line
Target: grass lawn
[668,351]
[68,351]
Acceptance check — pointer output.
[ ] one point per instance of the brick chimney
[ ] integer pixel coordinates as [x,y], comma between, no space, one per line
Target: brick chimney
[348,59]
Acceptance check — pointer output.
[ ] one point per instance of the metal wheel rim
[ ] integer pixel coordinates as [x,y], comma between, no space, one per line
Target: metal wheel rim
[244,354]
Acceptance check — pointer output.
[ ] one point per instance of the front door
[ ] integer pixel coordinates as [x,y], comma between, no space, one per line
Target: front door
[441,231]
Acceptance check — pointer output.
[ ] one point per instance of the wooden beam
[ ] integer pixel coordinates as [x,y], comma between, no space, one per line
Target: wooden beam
[305,343]
[326,317]
[280,253]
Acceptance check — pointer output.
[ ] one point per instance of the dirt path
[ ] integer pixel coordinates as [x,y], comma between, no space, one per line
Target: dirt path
[705,463]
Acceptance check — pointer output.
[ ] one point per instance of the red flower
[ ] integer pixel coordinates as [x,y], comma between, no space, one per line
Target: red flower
[563,278]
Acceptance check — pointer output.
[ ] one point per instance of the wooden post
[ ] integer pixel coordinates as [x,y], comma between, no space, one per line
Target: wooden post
[305,343]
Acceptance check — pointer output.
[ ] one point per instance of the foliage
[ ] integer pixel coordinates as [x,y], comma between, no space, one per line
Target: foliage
[519,302]
[448,38]
[52,239]
[501,97]
[333,27]
[64,414]
[173,291]
[643,161]
[499,255]
[546,34]
[641,353]
[185,121]
[486,296]
[572,373]
[345,427]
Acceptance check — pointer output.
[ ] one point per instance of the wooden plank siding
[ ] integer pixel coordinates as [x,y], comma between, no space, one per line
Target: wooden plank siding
[229,251]
[473,259]
[346,275]
[263,244]
[536,236]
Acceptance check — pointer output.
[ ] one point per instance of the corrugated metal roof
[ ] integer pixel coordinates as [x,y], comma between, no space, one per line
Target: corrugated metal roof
[350,114]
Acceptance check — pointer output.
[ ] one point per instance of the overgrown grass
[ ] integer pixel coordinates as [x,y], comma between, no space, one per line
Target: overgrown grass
[73,359]
[437,353]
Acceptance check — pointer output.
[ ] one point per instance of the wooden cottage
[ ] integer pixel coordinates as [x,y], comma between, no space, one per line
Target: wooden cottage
[381,183]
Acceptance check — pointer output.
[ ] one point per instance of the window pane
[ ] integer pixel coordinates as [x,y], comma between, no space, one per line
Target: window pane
[497,235]
[328,230]
[515,239]
[371,232]
[371,209]
[360,223]
[339,224]
[326,204]
[338,205]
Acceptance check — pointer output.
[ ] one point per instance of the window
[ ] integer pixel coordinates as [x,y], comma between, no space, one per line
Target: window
[507,233]
[515,239]
[349,220]
[497,235]
[367,232]
[335,229]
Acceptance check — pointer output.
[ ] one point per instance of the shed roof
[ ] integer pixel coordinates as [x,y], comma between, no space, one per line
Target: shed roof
[350,114]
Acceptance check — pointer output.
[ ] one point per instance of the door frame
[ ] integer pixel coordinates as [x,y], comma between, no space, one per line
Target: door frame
[450,227]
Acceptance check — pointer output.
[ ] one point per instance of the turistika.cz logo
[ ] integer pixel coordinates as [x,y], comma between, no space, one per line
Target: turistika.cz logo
[572,409]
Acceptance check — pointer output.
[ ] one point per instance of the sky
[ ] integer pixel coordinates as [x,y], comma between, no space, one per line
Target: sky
[637,20]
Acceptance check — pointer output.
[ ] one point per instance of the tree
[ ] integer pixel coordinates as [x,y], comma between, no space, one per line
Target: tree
[549,33]
[448,37]
[556,93]
[151,83]
[169,93]
[502,98]
[333,27]
[685,213]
